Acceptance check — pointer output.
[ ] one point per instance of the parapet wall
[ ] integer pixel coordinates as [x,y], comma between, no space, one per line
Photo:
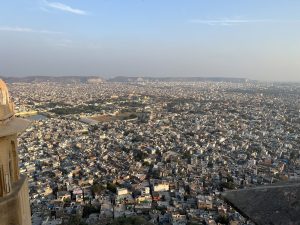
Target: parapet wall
[15,208]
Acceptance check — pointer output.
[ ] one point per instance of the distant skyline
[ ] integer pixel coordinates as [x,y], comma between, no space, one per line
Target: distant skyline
[253,39]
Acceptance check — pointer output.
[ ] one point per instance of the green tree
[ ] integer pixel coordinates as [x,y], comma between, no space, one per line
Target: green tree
[134,220]
[222,219]
[97,188]
[112,187]
[74,220]
[88,210]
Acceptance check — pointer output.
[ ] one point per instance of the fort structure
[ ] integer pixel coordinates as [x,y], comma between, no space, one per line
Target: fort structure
[14,195]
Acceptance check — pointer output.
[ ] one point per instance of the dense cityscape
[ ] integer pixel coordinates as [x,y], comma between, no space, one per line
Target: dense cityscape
[154,152]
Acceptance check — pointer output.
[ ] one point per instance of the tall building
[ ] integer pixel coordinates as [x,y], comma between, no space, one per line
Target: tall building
[14,196]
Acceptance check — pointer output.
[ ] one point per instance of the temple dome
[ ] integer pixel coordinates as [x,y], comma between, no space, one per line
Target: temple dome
[8,123]
[6,106]
[4,97]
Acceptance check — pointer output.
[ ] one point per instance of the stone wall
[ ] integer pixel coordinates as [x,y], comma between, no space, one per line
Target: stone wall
[15,208]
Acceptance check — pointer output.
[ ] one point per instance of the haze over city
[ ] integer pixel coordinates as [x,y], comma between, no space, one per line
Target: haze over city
[250,39]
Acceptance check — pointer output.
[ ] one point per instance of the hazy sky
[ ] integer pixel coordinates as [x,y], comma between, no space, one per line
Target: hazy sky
[257,39]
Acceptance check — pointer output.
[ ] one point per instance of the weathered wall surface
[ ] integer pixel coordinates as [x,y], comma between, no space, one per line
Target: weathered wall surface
[15,208]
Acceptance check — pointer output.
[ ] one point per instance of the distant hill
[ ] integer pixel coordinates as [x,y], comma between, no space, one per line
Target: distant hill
[64,79]
[95,79]
[173,79]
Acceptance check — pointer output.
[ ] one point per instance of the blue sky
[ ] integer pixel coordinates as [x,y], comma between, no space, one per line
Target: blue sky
[246,38]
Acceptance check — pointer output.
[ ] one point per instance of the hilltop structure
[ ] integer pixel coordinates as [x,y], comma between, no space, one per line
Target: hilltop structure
[14,196]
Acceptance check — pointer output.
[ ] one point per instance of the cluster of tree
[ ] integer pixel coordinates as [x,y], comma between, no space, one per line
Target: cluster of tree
[112,187]
[132,104]
[76,110]
[229,184]
[53,105]
[97,188]
[74,220]
[294,155]
[88,210]
[186,155]
[222,219]
[140,155]
[133,220]
[155,174]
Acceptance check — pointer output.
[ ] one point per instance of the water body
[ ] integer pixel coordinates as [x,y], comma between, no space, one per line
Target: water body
[36,117]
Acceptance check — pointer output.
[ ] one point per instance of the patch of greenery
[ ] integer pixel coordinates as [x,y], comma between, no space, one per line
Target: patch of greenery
[89,209]
[133,220]
[228,185]
[74,220]
[222,219]
[76,110]
[97,188]
[112,187]
[140,155]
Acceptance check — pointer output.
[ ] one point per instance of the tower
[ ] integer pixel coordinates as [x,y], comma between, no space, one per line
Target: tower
[14,196]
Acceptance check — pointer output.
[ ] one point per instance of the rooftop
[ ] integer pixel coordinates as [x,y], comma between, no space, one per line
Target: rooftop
[275,204]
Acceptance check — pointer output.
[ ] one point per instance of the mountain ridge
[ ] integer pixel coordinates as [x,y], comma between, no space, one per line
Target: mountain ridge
[121,79]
